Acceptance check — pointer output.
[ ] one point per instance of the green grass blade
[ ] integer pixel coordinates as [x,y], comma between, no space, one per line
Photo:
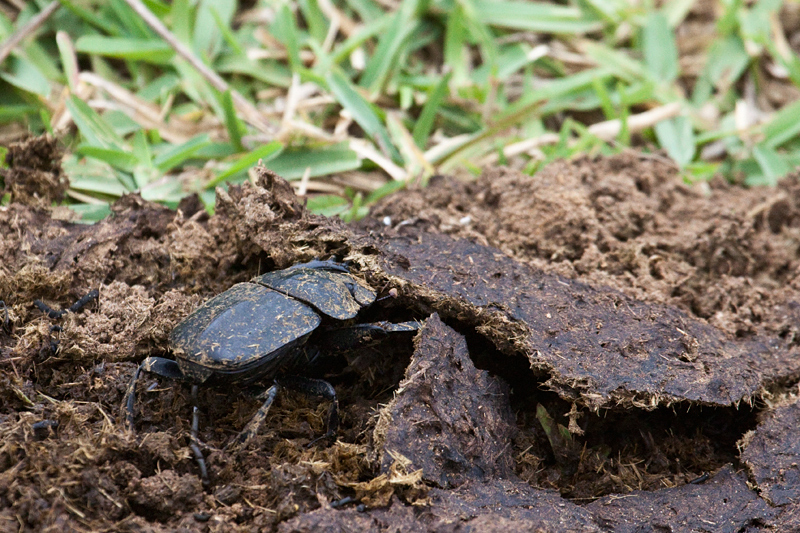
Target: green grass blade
[293,164]
[328,205]
[362,112]
[141,149]
[424,124]
[315,19]
[224,28]
[659,49]
[95,130]
[383,61]
[455,46]
[146,50]
[265,153]
[92,212]
[211,17]
[99,20]
[176,155]
[783,127]
[676,136]
[125,161]
[534,16]
[343,50]
[772,164]
[286,31]
[24,75]
[232,122]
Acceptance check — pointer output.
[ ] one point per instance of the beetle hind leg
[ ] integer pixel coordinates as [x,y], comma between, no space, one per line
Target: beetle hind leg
[194,441]
[309,386]
[252,427]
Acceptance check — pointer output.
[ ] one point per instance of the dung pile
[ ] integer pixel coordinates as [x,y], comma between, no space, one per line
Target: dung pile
[594,331]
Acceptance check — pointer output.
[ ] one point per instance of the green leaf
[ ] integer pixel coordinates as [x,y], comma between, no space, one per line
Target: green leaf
[269,72]
[182,18]
[17,112]
[772,164]
[224,27]
[24,75]
[293,164]
[783,127]
[328,205]
[175,155]
[159,8]
[385,190]
[368,10]
[658,46]
[116,158]
[133,23]
[100,185]
[384,60]
[92,212]
[265,153]
[677,10]
[207,34]
[96,131]
[68,62]
[559,437]
[534,16]
[726,61]
[343,50]
[95,176]
[147,50]
[232,122]
[361,111]
[315,19]
[99,20]
[424,124]
[455,46]
[286,31]
[676,136]
[141,149]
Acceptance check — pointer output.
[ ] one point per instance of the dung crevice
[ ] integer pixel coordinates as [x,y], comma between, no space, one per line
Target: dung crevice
[587,454]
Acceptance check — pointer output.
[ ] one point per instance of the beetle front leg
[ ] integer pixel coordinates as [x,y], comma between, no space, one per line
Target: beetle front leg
[156,365]
[317,387]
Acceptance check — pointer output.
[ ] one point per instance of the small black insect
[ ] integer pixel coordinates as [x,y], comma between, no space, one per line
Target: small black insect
[6,324]
[92,296]
[264,329]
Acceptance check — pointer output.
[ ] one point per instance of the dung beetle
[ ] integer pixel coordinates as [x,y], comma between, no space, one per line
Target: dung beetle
[265,329]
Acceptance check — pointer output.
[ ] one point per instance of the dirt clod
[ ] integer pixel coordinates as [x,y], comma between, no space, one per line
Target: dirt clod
[34,176]
[772,453]
[722,504]
[447,418]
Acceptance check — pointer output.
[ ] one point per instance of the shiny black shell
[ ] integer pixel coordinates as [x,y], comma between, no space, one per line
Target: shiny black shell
[257,329]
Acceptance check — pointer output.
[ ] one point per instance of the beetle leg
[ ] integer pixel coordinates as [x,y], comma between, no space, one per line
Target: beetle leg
[309,386]
[157,365]
[250,430]
[359,335]
[194,442]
